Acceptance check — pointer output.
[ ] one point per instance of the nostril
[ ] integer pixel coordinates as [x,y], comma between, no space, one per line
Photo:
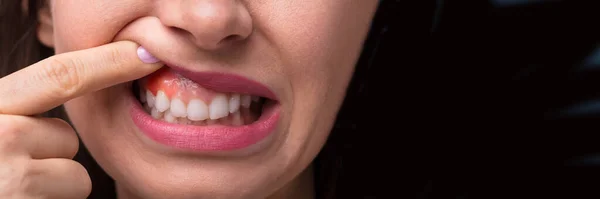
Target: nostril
[181,31]
[230,40]
[207,43]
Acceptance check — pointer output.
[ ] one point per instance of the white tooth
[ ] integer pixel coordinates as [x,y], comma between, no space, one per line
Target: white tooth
[162,101]
[255,98]
[246,100]
[234,103]
[150,98]
[156,114]
[178,108]
[169,117]
[142,96]
[237,119]
[197,110]
[218,107]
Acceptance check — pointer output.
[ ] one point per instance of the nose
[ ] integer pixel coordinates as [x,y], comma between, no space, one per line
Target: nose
[210,24]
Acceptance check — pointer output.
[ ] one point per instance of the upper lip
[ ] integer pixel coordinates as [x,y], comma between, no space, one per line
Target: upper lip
[225,82]
[218,81]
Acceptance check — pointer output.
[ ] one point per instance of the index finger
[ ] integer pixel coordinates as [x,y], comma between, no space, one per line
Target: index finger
[57,79]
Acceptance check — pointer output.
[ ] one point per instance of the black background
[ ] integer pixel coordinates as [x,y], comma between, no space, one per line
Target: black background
[472,99]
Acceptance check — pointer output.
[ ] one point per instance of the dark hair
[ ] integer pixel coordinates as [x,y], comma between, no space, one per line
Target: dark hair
[343,169]
[18,41]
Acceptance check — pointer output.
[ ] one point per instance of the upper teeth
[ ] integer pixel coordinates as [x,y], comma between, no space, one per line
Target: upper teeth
[195,110]
[219,107]
[162,101]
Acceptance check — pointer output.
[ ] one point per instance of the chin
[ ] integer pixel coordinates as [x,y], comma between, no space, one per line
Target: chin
[142,166]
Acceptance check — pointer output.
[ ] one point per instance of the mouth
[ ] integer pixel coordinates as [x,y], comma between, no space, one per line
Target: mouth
[203,111]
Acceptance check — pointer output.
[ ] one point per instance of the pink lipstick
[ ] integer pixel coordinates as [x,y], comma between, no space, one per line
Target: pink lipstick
[204,111]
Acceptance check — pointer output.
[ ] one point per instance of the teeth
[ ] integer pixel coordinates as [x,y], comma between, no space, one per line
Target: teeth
[234,103]
[197,110]
[162,101]
[178,108]
[223,109]
[218,108]
[255,98]
[156,114]
[246,100]
[169,117]
[149,99]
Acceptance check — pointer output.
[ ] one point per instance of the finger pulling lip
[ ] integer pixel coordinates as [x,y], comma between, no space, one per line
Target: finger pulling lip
[162,43]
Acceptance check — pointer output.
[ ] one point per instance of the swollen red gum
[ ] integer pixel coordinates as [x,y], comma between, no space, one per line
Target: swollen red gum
[174,85]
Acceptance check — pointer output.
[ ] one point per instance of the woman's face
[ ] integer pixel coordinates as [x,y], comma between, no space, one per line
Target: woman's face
[298,54]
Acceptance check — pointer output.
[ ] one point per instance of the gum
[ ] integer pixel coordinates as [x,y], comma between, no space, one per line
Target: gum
[176,86]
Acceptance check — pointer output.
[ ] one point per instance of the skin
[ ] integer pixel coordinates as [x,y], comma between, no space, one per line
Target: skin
[304,50]
[36,153]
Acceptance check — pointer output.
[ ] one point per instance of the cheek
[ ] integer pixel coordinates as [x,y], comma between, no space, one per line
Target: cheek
[105,109]
[319,58]
[320,55]
[85,24]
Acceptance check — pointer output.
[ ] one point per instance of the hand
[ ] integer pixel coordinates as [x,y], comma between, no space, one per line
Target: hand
[36,153]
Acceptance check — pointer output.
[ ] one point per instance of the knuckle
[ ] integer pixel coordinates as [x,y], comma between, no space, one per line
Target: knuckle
[12,178]
[8,126]
[11,131]
[115,57]
[30,178]
[63,170]
[63,75]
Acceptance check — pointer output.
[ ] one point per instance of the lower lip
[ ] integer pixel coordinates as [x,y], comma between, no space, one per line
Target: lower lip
[205,138]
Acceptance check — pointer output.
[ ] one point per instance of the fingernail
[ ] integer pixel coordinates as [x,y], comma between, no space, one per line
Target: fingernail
[145,56]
